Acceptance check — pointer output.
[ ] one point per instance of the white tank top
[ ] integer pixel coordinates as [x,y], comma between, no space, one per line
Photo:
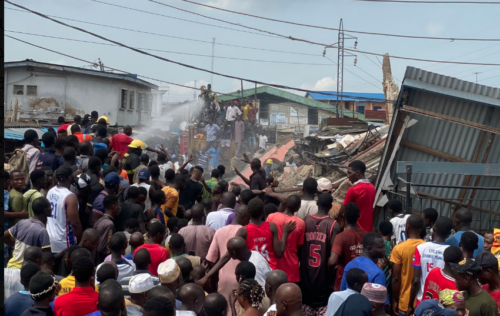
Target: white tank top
[399,227]
[58,226]
[147,203]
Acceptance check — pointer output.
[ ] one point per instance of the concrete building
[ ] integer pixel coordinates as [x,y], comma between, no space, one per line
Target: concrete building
[286,110]
[45,91]
[371,105]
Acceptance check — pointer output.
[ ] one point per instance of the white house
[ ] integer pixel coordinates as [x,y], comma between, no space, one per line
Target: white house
[46,91]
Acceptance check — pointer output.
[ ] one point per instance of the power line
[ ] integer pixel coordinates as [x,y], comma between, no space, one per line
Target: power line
[335,29]
[431,2]
[173,52]
[353,74]
[171,36]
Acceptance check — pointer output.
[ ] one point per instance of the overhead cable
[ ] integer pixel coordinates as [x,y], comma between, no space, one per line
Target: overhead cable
[336,29]
[174,52]
[432,2]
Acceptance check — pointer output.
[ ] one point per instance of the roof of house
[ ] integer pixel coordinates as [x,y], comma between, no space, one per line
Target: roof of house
[347,96]
[126,77]
[268,93]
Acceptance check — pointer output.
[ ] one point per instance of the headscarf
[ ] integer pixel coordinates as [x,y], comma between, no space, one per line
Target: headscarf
[355,305]
[449,297]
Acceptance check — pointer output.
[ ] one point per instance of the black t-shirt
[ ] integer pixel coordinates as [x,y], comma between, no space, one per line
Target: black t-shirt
[129,210]
[191,192]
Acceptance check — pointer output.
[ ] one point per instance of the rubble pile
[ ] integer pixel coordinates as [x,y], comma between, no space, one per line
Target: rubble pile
[294,176]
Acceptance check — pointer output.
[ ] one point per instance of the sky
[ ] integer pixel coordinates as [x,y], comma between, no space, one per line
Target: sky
[306,70]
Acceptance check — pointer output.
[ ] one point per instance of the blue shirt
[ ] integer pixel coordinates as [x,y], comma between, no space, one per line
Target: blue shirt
[96,313]
[214,161]
[211,130]
[17,303]
[49,159]
[375,274]
[455,241]
[129,256]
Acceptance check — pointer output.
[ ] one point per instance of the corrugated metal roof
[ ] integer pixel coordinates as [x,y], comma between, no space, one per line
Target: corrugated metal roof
[126,77]
[348,96]
[18,133]
[459,99]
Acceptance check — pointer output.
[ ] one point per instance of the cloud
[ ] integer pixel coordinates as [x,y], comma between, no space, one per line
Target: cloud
[246,5]
[324,84]
[59,62]
[186,92]
[435,29]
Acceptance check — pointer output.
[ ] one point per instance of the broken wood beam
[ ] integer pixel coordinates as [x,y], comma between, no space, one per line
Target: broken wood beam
[432,151]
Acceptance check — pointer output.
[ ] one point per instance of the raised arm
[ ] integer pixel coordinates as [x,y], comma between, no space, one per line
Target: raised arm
[241,176]
[190,159]
[279,196]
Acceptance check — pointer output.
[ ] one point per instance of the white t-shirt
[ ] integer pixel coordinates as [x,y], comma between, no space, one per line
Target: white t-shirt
[428,256]
[307,208]
[58,226]
[399,227]
[164,167]
[271,308]
[147,203]
[262,141]
[218,219]
[261,267]
[126,268]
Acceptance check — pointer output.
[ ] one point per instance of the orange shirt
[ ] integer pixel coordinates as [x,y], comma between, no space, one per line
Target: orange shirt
[124,175]
[172,201]
[82,138]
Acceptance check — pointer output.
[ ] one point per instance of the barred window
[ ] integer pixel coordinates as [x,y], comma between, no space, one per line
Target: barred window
[32,90]
[124,98]
[132,99]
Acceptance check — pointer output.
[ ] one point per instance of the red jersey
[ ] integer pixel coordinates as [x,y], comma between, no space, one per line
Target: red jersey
[494,295]
[120,142]
[158,255]
[80,301]
[363,194]
[348,245]
[260,239]
[435,282]
[290,260]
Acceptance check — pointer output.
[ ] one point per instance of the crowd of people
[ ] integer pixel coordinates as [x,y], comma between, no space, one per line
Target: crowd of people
[95,227]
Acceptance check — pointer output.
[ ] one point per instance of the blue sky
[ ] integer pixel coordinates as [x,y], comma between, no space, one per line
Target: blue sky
[477,21]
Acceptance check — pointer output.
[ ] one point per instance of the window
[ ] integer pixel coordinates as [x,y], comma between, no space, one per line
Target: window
[142,101]
[18,90]
[132,99]
[124,99]
[312,116]
[31,90]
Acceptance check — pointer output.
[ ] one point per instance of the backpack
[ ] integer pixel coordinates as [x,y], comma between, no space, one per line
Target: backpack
[19,161]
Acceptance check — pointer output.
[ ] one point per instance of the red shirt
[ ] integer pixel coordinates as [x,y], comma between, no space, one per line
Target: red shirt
[82,138]
[63,127]
[435,282]
[120,143]
[290,260]
[79,302]
[348,245]
[260,239]
[363,194]
[494,295]
[158,255]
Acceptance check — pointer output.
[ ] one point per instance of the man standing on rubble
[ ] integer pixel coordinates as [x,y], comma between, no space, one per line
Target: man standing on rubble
[362,193]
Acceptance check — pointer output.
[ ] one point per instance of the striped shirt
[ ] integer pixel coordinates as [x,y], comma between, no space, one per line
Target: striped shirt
[28,233]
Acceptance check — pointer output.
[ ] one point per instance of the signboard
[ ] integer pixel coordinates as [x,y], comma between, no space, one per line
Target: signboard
[275,108]
[277,118]
[264,122]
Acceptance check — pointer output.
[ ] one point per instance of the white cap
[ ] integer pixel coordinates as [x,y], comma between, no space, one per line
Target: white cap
[140,283]
[168,271]
[324,185]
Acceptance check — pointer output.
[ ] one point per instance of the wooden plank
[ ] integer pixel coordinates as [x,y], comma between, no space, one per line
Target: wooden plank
[451,119]
[432,151]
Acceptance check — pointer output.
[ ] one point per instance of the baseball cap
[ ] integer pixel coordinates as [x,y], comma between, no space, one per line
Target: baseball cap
[324,184]
[168,271]
[112,178]
[450,297]
[269,161]
[486,259]
[82,181]
[375,293]
[433,308]
[140,283]
[144,174]
[137,144]
[466,266]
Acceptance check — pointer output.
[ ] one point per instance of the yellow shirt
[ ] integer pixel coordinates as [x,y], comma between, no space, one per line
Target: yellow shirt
[403,254]
[68,284]
[172,196]
[246,109]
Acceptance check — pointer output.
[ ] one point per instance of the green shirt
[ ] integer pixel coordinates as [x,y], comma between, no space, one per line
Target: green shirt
[16,204]
[481,304]
[28,198]
[211,184]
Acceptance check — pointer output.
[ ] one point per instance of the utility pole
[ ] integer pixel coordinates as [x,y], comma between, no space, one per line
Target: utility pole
[213,51]
[340,63]
[476,73]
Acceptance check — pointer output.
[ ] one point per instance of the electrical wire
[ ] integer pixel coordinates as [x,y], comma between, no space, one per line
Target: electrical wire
[184,86]
[171,36]
[336,29]
[288,37]
[354,73]
[173,52]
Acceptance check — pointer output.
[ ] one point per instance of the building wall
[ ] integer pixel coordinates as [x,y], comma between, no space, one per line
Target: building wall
[284,115]
[71,94]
